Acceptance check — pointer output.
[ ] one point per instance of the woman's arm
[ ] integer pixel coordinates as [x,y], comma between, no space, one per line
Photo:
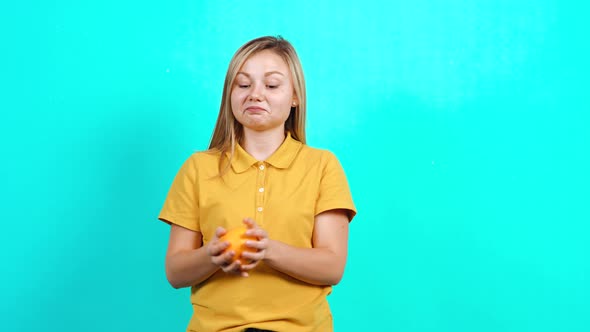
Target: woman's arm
[188,262]
[321,265]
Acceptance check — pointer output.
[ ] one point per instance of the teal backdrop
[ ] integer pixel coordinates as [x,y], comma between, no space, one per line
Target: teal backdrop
[462,126]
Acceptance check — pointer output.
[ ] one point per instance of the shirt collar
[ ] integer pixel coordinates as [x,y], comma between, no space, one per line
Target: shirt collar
[281,158]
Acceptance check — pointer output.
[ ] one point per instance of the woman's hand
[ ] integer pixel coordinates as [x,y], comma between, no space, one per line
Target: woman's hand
[215,250]
[261,245]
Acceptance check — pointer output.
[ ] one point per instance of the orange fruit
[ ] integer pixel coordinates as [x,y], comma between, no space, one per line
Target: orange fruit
[237,242]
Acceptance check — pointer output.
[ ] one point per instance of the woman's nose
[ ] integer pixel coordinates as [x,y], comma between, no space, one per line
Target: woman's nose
[256,93]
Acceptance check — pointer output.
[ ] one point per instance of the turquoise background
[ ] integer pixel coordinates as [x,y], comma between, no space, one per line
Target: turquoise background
[462,126]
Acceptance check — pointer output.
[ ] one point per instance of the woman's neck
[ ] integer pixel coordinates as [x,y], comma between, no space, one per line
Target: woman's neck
[262,144]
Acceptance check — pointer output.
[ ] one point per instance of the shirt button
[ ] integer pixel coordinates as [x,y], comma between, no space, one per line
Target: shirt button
[260,190]
[261,167]
[259,209]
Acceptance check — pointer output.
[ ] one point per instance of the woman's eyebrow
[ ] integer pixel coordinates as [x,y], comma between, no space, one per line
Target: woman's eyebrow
[265,74]
[273,72]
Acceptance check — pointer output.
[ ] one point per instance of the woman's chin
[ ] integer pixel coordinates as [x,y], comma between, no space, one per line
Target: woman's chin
[257,124]
[261,127]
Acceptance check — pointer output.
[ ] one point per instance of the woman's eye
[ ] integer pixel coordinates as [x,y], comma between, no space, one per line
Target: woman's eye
[243,86]
[272,86]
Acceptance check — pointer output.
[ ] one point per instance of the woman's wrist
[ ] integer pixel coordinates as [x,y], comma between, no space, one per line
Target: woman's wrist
[271,252]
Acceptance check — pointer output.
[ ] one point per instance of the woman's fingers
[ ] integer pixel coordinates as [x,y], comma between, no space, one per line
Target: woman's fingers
[223,259]
[233,267]
[216,247]
[253,256]
[248,267]
[227,263]
[258,233]
[259,245]
[250,223]
[226,259]
[220,231]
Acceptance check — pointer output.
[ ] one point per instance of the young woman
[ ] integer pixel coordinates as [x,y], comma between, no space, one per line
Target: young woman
[259,172]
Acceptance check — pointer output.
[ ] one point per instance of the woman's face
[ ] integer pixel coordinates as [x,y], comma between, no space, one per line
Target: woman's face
[262,95]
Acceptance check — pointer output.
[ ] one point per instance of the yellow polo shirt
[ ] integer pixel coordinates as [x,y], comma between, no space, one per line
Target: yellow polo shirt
[283,194]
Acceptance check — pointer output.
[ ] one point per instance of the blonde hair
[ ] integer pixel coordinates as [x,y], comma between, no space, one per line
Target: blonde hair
[228,131]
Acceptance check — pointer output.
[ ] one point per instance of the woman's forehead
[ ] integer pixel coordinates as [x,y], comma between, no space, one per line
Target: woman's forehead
[266,62]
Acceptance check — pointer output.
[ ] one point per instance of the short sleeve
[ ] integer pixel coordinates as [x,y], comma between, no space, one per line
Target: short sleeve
[182,203]
[334,192]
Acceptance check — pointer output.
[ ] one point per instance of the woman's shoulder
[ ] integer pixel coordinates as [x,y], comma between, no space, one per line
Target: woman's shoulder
[205,155]
[203,159]
[314,154]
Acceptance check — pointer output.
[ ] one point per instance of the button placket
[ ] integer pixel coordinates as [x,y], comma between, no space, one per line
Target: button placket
[260,180]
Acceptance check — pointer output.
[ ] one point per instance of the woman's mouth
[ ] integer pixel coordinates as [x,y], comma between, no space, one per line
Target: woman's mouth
[254,109]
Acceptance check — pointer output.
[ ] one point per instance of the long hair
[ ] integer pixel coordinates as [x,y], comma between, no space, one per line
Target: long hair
[228,131]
